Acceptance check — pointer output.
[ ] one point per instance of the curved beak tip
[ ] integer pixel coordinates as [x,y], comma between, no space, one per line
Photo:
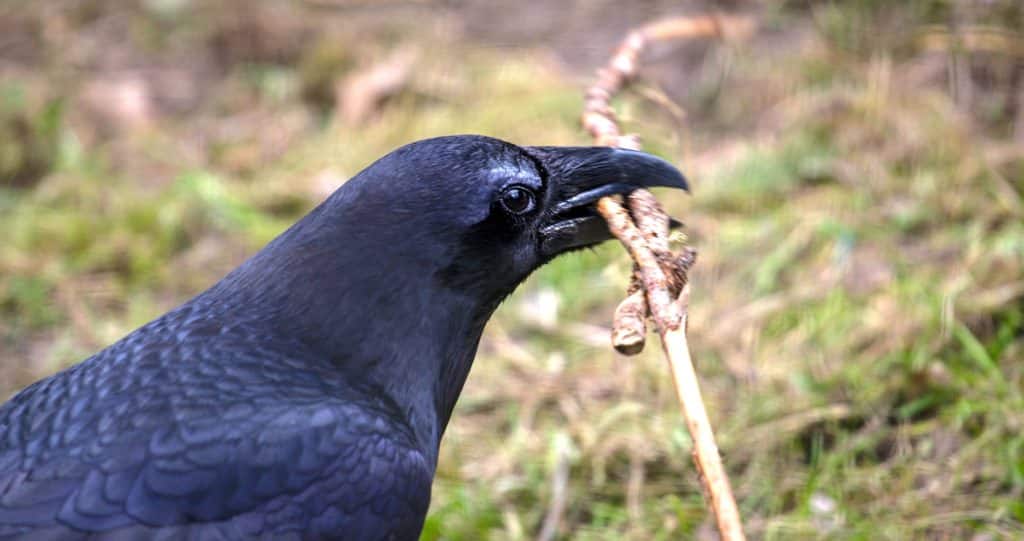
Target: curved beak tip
[648,170]
[582,175]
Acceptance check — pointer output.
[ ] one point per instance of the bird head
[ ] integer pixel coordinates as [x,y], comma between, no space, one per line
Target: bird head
[480,214]
[394,276]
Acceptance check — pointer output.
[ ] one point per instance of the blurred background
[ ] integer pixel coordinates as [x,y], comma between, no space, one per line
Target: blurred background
[858,172]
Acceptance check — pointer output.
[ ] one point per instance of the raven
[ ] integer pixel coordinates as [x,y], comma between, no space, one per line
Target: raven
[304,396]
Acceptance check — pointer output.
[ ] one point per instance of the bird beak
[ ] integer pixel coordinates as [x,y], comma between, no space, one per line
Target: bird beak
[579,176]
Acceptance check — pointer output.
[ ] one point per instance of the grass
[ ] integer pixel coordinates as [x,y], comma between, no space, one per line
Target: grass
[857,319]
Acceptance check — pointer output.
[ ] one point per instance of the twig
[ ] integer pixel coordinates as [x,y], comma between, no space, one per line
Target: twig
[660,277]
[630,329]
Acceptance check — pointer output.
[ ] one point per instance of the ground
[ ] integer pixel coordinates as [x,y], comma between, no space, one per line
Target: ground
[858,173]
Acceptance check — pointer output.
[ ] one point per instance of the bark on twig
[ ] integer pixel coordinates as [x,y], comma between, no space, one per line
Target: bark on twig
[630,329]
[659,283]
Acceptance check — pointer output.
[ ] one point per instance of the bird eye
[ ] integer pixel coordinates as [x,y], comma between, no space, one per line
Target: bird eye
[517,200]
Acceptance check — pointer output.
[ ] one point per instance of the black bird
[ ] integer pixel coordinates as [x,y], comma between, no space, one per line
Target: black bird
[304,396]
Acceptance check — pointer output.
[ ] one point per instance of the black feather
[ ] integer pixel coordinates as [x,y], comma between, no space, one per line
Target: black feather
[304,395]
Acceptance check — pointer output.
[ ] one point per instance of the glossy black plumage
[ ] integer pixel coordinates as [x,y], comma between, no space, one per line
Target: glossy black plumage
[305,395]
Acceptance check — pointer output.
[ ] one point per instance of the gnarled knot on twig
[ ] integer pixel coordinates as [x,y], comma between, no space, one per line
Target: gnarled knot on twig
[629,324]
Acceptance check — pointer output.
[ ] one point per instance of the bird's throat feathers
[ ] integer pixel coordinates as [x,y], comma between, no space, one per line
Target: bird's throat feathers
[421,346]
